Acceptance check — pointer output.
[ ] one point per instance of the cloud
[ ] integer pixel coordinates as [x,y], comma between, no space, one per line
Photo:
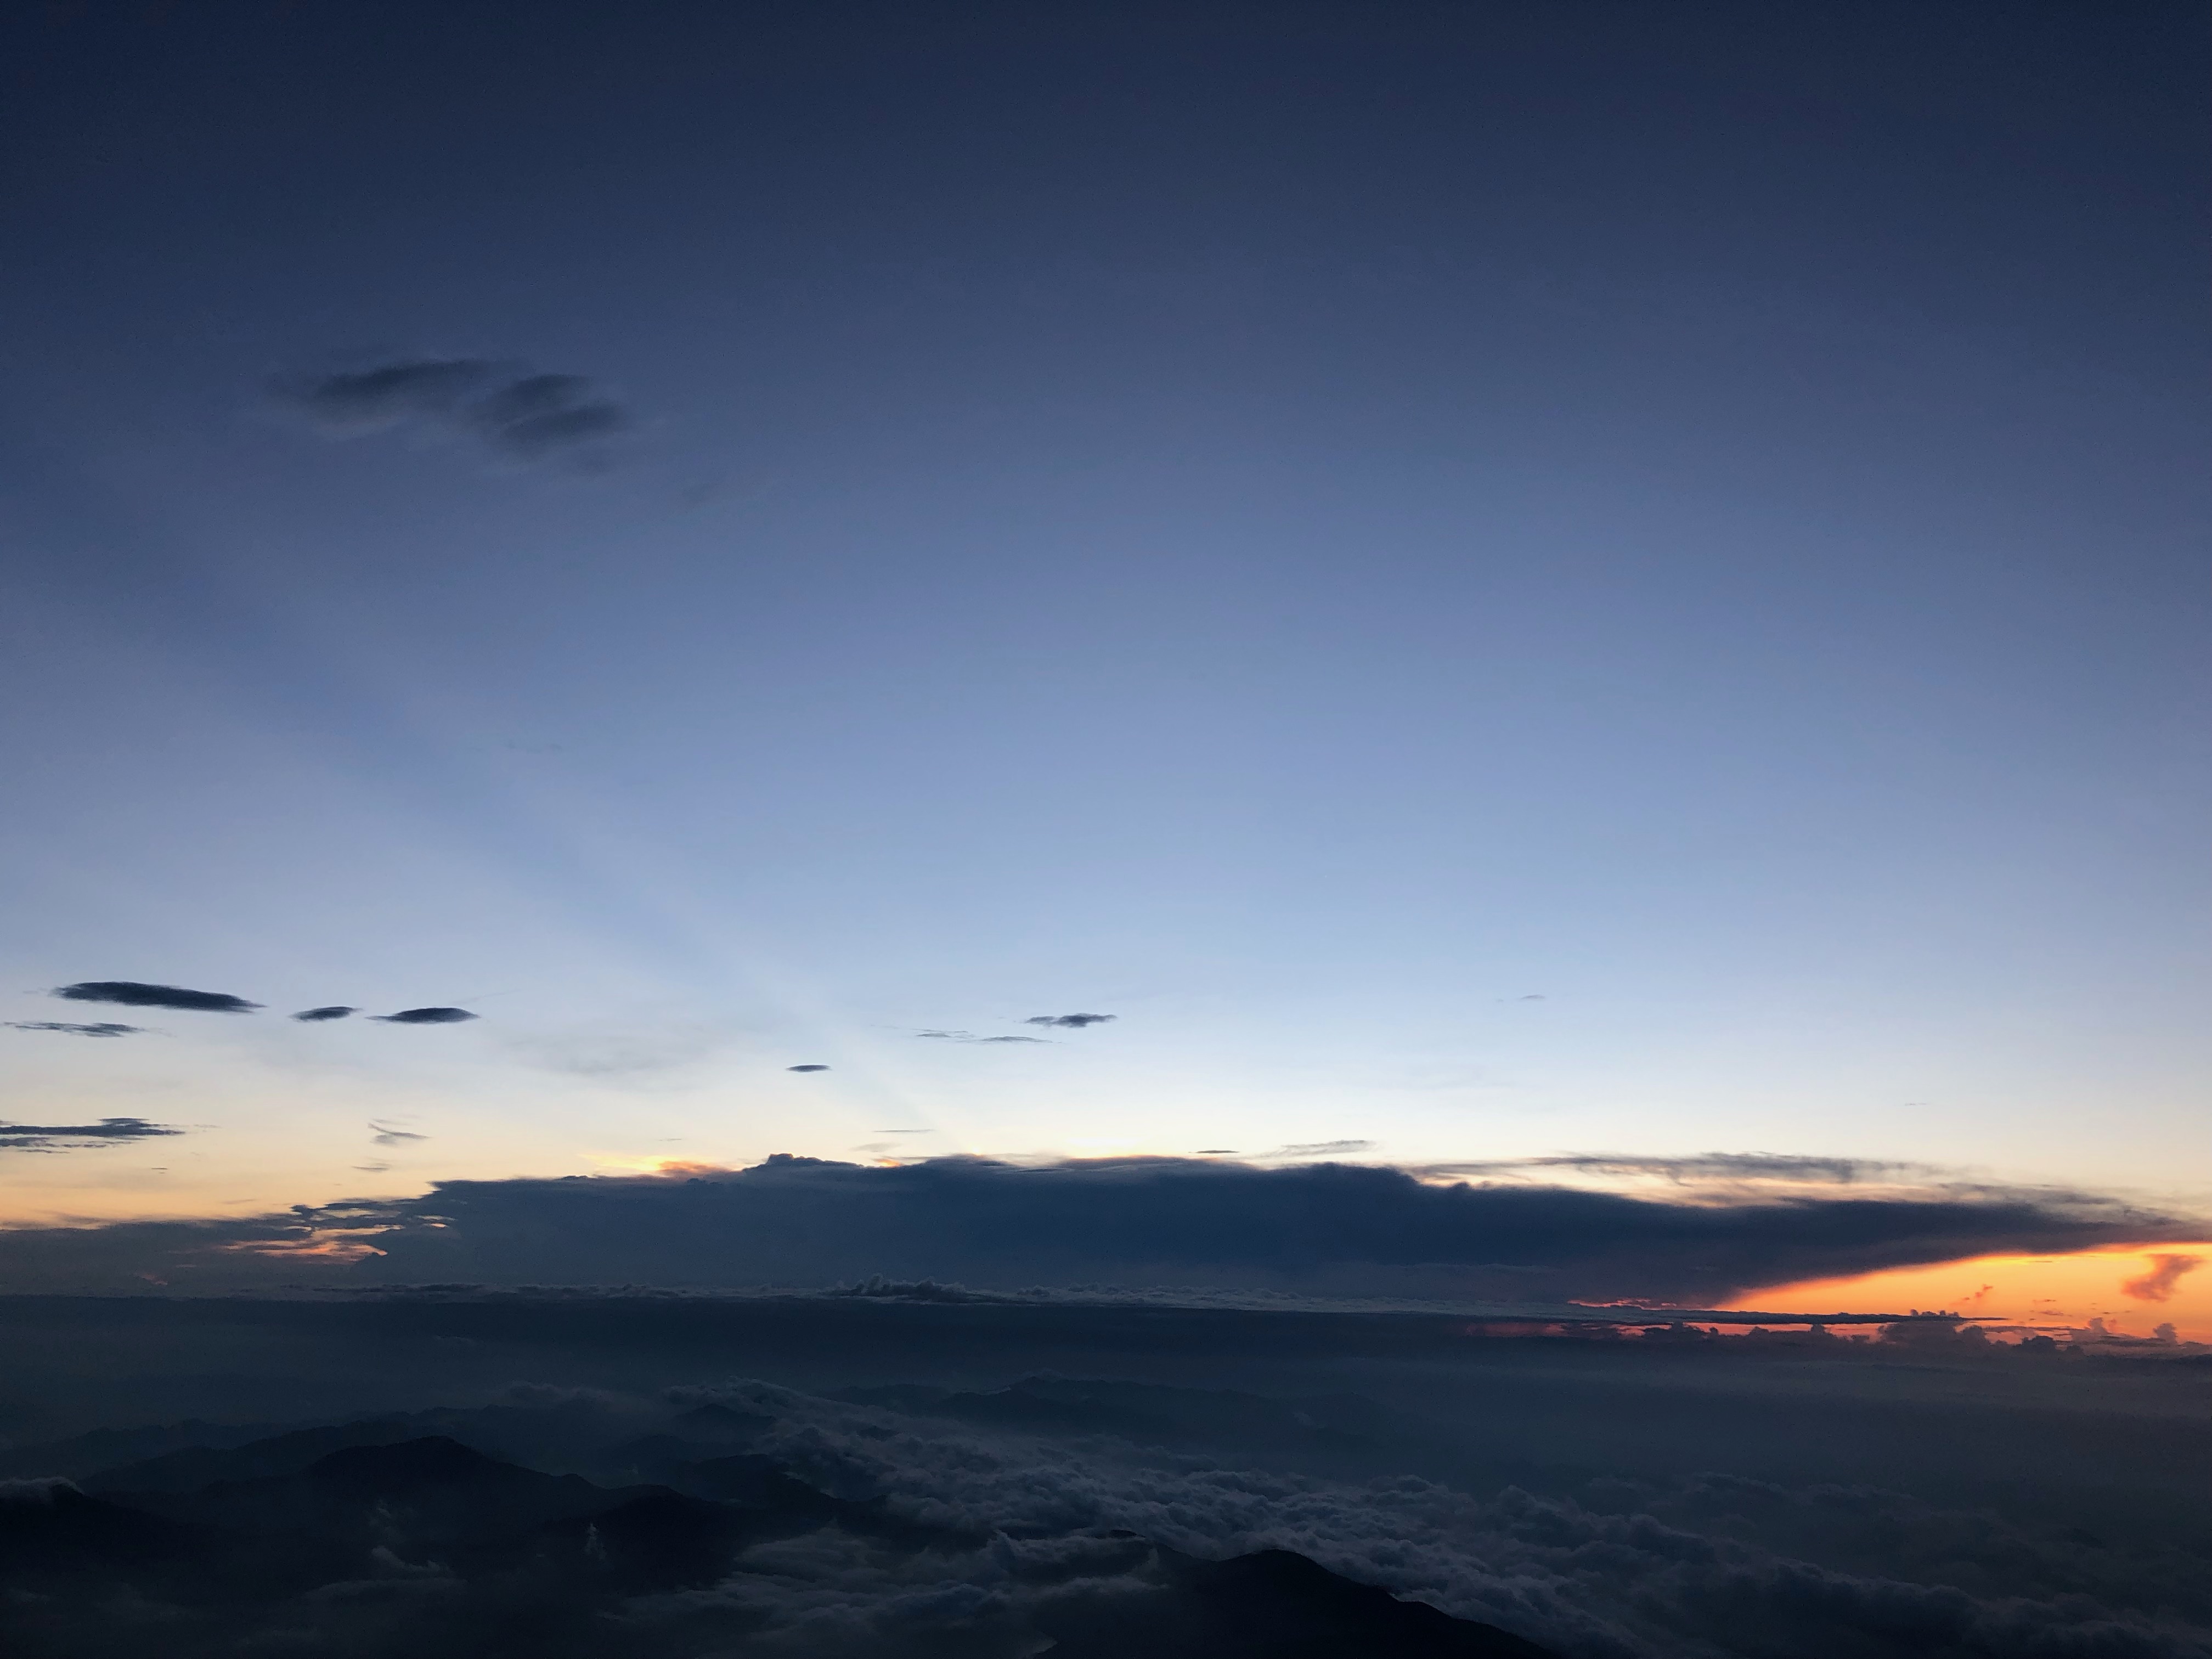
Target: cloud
[970,1036]
[390,1134]
[1712,1564]
[131,993]
[645,1050]
[1069,1022]
[1700,1169]
[370,400]
[335,1010]
[541,414]
[2159,1284]
[1314,1228]
[79,1137]
[425,1017]
[1321,1148]
[520,415]
[807,1068]
[102,1029]
[907,1519]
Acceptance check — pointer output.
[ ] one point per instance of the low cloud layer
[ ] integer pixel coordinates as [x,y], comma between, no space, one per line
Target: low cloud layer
[135,993]
[755,1520]
[518,415]
[1317,1228]
[79,1137]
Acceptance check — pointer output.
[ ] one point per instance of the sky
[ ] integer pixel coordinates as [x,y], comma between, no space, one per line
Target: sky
[1493,582]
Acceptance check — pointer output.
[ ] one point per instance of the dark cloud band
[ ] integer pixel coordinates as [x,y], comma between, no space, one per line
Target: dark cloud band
[135,993]
[1320,1228]
[520,415]
[79,1137]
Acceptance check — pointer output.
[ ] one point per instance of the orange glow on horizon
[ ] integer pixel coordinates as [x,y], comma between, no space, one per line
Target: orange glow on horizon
[2134,1291]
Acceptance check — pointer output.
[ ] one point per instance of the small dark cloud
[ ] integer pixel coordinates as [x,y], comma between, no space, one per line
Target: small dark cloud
[1216,1151]
[522,417]
[370,400]
[1069,1022]
[970,1036]
[336,1011]
[103,1029]
[536,416]
[425,1017]
[133,994]
[79,1137]
[390,1134]
[807,1068]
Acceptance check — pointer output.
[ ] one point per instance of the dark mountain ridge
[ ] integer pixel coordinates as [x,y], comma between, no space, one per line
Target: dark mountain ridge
[431,1547]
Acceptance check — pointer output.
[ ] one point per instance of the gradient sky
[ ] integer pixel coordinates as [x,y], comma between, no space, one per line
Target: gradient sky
[1492,580]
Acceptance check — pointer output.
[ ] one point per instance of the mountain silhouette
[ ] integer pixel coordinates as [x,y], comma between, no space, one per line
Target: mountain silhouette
[1272,1604]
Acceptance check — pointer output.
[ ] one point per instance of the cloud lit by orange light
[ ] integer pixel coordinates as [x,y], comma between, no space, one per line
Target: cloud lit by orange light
[2158,1284]
[2133,1291]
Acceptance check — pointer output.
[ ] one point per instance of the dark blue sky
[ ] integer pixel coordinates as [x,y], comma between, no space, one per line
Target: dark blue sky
[1303,526]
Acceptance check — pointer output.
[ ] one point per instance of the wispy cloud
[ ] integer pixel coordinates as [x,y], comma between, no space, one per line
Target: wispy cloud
[541,415]
[1701,1168]
[390,1134]
[135,993]
[519,414]
[69,1027]
[79,1137]
[1070,1021]
[970,1036]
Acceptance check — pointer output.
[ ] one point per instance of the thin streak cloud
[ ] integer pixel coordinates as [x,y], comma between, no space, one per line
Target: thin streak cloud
[135,993]
[80,1136]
